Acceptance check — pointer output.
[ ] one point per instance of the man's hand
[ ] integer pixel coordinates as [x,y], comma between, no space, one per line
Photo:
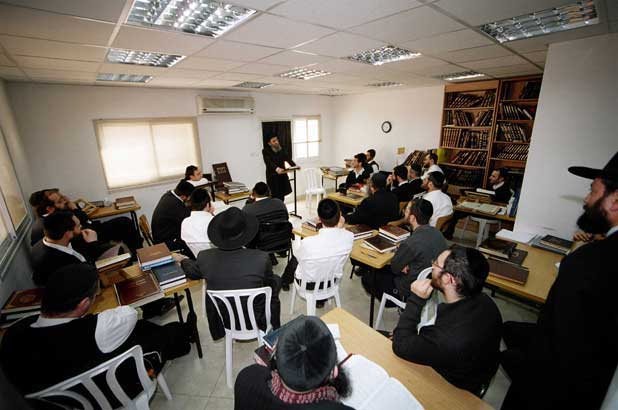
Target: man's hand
[89,235]
[389,180]
[422,288]
[280,171]
[341,222]
[581,236]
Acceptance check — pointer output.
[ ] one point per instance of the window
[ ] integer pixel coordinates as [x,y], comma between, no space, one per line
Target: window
[306,137]
[146,151]
[12,206]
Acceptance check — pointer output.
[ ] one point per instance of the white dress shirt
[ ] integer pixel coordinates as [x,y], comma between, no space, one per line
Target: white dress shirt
[442,205]
[66,249]
[200,182]
[194,231]
[327,243]
[433,168]
[114,326]
[612,230]
[497,185]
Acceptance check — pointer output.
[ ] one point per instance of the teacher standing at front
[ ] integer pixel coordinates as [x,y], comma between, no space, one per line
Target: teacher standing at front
[275,158]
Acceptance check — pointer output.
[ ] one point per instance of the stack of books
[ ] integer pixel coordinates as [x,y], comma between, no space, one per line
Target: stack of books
[169,275]
[379,244]
[138,291]
[497,247]
[232,188]
[312,224]
[393,233]
[152,256]
[335,171]
[125,202]
[360,231]
[553,244]
[109,269]
[20,304]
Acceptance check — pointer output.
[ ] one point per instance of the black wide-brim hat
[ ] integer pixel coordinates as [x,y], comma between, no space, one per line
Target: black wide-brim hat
[232,229]
[610,171]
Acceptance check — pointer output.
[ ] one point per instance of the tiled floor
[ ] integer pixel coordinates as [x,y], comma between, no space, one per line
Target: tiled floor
[201,384]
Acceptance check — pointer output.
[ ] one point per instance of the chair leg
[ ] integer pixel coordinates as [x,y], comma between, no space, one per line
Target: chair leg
[380,312]
[310,304]
[163,385]
[204,300]
[481,233]
[463,232]
[337,299]
[293,298]
[228,361]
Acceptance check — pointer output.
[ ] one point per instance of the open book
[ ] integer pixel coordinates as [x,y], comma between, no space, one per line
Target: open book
[374,389]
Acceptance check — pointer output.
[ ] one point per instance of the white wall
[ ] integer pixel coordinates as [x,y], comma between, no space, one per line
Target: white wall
[575,125]
[415,115]
[56,125]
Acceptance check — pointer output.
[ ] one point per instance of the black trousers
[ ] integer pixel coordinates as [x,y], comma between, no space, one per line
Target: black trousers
[119,229]
[385,283]
[450,228]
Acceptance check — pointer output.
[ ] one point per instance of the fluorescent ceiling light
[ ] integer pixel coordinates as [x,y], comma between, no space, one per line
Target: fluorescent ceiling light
[122,56]
[382,55]
[385,84]
[205,17]
[303,73]
[464,75]
[253,84]
[126,78]
[572,16]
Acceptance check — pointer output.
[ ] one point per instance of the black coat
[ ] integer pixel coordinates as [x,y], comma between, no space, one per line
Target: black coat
[167,218]
[279,184]
[46,260]
[503,194]
[405,192]
[376,210]
[351,179]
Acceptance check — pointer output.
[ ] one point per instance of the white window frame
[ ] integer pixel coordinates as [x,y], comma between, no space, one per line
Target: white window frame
[319,141]
[152,121]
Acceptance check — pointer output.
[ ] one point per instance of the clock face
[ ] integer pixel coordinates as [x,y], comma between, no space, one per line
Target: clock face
[386,126]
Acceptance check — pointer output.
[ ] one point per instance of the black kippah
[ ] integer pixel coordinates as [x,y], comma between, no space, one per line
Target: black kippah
[67,286]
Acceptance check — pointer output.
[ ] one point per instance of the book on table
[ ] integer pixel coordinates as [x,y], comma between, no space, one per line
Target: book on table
[125,202]
[508,271]
[169,275]
[113,263]
[555,242]
[537,242]
[497,247]
[394,233]
[138,291]
[222,174]
[380,244]
[360,231]
[22,303]
[154,255]
[313,224]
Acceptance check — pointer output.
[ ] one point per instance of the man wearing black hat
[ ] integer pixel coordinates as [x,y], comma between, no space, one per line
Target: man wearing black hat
[463,344]
[64,340]
[303,373]
[379,208]
[441,202]
[275,156]
[567,359]
[231,266]
[168,215]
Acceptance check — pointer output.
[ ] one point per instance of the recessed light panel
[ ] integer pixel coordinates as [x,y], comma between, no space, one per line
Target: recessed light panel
[122,56]
[572,16]
[382,55]
[385,84]
[464,75]
[126,78]
[205,17]
[253,84]
[303,74]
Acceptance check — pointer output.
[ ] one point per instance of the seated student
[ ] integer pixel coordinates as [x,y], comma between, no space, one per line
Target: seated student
[231,266]
[400,185]
[463,344]
[331,240]
[55,250]
[379,208]
[414,179]
[303,373]
[414,254]
[430,164]
[194,176]
[64,340]
[359,173]
[371,155]
[194,229]
[441,202]
[169,214]
[265,208]
[497,181]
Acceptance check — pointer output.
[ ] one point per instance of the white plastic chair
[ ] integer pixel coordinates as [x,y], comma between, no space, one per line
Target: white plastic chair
[140,402]
[326,286]
[483,232]
[238,329]
[313,185]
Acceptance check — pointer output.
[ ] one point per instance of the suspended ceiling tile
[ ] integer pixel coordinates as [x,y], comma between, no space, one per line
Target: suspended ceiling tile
[108,10]
[52,49]
[229,50]
[476,53]
[454,40]
[494,62]
[341,45]
[262,69]
[294,59]
[210,64]
[56,64]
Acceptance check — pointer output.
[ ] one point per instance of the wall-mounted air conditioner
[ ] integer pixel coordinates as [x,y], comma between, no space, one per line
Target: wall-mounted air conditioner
[225,105]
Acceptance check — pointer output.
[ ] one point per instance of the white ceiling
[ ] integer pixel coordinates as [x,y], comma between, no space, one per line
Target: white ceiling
[66,41]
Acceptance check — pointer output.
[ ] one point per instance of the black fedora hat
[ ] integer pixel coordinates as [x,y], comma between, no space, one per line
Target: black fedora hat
[232,229]
[610,171]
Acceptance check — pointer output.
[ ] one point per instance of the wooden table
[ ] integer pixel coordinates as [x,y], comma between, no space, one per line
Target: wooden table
[429,388]
[334,178]
[474,212]
[107,300]
[347,199]
[107,211]
[231,198]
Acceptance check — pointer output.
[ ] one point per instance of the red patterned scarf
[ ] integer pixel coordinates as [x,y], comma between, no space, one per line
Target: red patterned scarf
[287,396]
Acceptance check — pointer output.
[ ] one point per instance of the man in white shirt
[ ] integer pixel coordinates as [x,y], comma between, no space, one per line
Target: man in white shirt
[194,176]
[194,229]
[332,240]
[441,202]
[430,164]
[64,340]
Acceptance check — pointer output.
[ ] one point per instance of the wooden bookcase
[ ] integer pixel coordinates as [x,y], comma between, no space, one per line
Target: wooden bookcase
[480,133]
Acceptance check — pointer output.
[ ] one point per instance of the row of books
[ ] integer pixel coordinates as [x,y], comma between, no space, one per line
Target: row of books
[513,152]
[530,90]
[415,157]
[459,138]
[512,133]
[125,202]
[232,188]
[463,100]
[515,112]
[473,158]
[464,177]
[468,119]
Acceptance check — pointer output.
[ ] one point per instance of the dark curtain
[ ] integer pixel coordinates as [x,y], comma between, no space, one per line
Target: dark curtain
[281,130]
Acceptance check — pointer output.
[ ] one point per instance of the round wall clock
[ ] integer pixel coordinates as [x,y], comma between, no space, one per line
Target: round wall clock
[387,126]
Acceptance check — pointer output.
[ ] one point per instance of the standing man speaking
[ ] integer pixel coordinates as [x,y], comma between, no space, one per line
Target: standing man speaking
[275,158]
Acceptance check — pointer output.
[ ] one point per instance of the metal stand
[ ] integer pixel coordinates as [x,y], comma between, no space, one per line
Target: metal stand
[295,212]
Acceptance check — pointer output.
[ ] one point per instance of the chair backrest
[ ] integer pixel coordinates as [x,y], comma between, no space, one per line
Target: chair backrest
[234,303]
[274,236]
[441,222]
[144,226]
[330,269]
[430,310]
[312,178]
[109,368]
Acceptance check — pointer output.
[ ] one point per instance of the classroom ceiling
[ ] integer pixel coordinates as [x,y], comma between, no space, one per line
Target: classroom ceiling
[66,41]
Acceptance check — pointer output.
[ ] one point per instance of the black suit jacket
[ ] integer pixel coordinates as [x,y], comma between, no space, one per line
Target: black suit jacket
[236,269]
[279,184]
[167,218]
[376,210]
[405,192]
[351,179]
[46,260]
[268,209]
[503,194]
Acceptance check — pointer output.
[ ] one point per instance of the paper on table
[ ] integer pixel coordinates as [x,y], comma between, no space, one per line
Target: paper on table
[366,377]
[519,236]
[392,395]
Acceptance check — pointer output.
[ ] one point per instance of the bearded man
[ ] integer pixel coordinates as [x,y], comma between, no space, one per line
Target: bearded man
[275,158]
[567,359]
